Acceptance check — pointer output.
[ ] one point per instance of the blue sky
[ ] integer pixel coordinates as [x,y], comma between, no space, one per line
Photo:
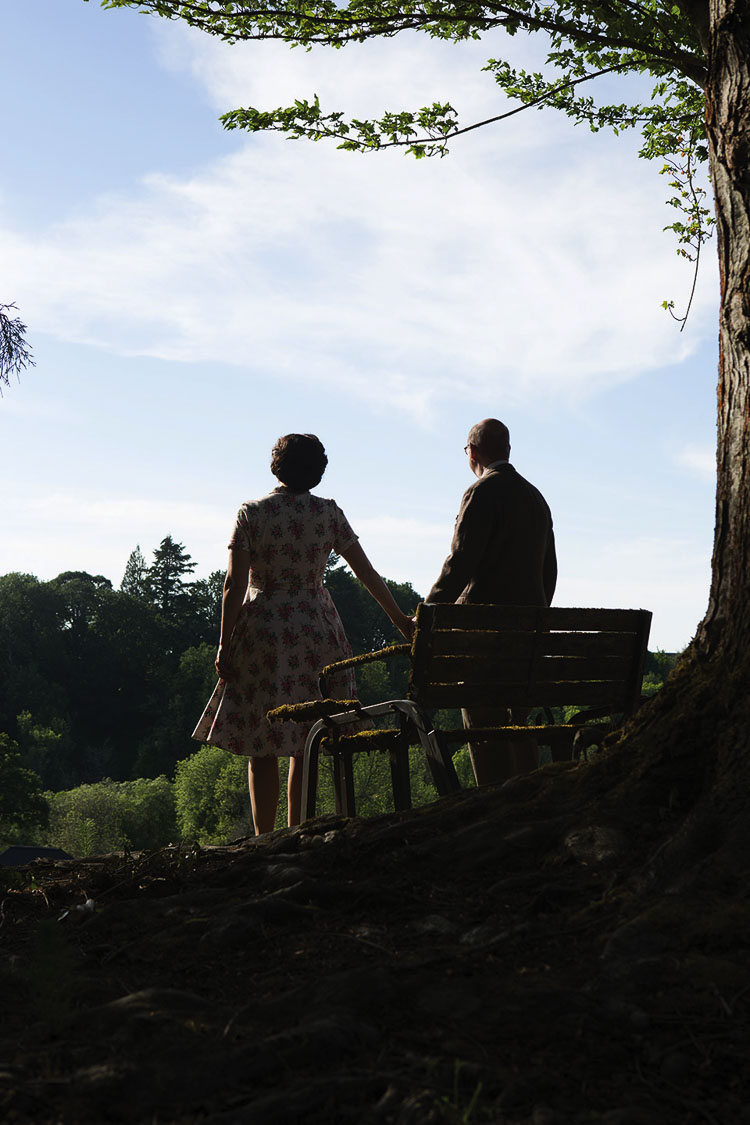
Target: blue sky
[192,294]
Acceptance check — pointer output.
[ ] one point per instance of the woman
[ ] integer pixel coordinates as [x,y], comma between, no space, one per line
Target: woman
[279,626]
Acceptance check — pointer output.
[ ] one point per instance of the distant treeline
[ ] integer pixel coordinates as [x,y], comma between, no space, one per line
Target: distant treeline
[102,682]
[100,690]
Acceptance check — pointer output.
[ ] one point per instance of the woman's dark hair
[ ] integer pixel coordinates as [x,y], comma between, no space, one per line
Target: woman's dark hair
[298,461]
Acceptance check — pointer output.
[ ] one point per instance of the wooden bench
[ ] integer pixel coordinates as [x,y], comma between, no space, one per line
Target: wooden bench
[520,657]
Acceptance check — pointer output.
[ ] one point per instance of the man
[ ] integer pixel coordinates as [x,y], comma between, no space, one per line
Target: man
[503,553]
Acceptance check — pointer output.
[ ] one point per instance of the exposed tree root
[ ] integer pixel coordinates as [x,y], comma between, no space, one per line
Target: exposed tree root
[573,947]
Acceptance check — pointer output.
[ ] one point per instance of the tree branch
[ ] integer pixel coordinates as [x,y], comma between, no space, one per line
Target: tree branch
[327,24]
[512,112]
[15,353]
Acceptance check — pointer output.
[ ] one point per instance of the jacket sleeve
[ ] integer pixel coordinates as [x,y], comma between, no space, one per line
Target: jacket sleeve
[470,539]
[550,567]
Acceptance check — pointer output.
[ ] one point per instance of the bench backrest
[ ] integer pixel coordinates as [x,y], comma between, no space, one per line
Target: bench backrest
[528,656]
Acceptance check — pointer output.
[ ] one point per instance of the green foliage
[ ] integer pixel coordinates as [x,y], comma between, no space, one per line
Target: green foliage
[32,649]
[213,805]
[187,688]
[372,781]
[373,682]
[112,816]
[584,41]
[205,606]
[134,578]
[99,682]
[212,801]
[22,805]
[424,132]
[165,579]
[658,666]
[464,768]
[91,686]
[44,746]
[366,625]
[188,611]
[149,816]
[368,628]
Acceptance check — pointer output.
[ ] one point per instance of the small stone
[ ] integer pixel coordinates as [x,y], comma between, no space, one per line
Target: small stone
[595,844]
[78,914]
[435,924]
[479,935]
[370,932]
[283,874]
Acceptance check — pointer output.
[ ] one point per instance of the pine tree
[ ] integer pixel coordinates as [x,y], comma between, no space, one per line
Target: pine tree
[164,581]
[134,578]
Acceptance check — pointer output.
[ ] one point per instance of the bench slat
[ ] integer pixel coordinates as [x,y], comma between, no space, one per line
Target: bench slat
[460,642]
[545,735]
[526,658]
[541,694]
[448,616]
[507,669]
[380,740]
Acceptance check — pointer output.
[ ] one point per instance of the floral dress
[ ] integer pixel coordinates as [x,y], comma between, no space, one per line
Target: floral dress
[288,627]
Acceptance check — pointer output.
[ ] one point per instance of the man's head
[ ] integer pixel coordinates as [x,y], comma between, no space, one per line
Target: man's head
[488,441]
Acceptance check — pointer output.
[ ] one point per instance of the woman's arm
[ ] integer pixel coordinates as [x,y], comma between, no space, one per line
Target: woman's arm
[372,582]
[235,588]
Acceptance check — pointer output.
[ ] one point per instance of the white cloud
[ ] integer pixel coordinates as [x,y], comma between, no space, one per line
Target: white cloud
[700,459]
[404,549]
[48,532]
[523,261]
[668,576]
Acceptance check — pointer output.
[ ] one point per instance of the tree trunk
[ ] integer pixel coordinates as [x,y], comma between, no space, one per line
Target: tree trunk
[676,778]
[726,626]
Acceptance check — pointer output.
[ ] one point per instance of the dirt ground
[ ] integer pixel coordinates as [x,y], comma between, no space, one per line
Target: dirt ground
[477,960]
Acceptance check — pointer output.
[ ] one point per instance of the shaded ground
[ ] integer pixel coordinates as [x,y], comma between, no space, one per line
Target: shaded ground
[477,960]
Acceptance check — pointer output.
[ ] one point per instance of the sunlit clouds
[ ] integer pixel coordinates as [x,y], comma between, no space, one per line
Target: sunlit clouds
[427,280]
[193,294]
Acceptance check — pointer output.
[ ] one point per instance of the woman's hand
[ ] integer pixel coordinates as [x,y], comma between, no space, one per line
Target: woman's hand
[406,626]
[222,665]
[235,587]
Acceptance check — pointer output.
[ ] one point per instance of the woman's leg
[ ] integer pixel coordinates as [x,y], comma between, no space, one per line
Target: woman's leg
[294,791]
[263,779]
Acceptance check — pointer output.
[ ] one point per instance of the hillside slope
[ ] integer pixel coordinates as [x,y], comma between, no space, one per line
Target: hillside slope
[487,958]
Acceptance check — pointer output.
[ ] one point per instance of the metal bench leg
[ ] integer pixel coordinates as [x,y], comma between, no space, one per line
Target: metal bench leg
[310,771]
[440,763]
[343,781]
[439,757]
[439,760]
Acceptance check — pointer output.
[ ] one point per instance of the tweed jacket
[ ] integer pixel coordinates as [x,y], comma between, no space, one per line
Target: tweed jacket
[503,549]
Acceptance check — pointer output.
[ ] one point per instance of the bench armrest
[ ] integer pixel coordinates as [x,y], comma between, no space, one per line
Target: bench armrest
[312,710]
[367,658]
